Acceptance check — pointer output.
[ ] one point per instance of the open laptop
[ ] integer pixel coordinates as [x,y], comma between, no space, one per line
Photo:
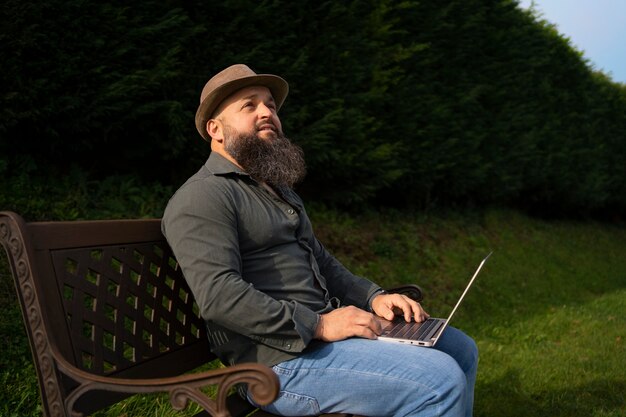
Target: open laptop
[427,332]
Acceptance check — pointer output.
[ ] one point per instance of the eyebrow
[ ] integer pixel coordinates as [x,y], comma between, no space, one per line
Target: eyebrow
[254,96]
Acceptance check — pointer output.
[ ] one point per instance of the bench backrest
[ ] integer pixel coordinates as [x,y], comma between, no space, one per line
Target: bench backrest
[106,295]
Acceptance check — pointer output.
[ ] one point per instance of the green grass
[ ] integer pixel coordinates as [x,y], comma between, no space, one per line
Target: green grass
[548,311]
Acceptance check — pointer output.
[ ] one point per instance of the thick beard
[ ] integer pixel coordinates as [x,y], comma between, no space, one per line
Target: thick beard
[277,161]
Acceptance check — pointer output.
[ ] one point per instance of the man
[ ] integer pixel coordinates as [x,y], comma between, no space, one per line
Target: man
[271,293]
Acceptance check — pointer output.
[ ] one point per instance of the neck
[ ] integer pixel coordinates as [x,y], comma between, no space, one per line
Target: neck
[221,151]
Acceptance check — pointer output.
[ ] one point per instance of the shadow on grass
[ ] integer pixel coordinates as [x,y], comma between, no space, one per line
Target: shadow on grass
[506,397]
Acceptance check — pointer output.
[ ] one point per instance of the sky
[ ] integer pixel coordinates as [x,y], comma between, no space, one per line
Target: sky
[595,27]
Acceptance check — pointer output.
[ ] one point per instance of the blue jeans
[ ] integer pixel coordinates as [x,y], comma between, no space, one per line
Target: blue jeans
[376,378]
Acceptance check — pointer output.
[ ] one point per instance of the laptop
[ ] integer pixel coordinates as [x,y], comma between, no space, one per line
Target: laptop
[426,333]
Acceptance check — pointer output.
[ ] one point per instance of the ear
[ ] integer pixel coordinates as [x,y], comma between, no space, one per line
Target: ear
[215,129]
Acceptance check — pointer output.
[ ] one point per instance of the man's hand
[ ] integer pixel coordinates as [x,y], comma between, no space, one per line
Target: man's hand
[386,306]
[347,322]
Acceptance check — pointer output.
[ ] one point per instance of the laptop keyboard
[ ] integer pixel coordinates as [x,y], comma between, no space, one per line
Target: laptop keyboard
[409,330]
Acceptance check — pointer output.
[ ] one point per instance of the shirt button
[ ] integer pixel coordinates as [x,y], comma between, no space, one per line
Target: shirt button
[288,346]
[290,211]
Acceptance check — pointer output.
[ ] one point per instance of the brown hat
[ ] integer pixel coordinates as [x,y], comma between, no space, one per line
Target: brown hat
[226,83]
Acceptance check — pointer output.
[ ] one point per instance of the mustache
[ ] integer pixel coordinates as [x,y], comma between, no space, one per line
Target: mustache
[265,124]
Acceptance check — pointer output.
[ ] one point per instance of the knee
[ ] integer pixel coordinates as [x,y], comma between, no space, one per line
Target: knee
[455,382]
[471,352]
[437,385]
[464,349]
[469,363]
[447,395]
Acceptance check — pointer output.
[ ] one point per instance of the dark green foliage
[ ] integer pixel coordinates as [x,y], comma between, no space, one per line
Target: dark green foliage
[504,111]
[75,195]
[94,83]
[425,104]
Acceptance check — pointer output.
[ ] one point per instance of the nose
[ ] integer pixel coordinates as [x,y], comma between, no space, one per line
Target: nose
[264,111]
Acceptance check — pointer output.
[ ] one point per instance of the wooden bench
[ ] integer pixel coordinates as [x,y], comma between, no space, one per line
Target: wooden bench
[108,315]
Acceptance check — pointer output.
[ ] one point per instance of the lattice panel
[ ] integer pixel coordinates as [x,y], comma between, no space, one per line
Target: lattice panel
[125,304]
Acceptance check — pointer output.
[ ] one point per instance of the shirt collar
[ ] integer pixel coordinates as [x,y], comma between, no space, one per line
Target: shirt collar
[218,165]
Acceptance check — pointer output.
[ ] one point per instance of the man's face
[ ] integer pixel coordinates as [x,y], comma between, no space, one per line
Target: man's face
[248,132]
[251,110]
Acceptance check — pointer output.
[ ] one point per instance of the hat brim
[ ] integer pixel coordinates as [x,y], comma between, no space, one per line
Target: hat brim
[277,86]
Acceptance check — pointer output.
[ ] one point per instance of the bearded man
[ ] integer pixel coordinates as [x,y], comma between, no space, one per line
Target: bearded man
[271,293]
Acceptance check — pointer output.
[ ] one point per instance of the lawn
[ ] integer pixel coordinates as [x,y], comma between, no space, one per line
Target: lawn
[547,312]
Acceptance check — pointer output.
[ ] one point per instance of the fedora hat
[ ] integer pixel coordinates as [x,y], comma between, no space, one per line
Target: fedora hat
[226,82]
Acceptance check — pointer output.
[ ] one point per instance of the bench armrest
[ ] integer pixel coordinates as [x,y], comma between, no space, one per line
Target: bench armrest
[410,290]
[262,384]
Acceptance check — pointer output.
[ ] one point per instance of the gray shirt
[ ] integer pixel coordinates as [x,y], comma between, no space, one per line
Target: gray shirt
[260,277]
